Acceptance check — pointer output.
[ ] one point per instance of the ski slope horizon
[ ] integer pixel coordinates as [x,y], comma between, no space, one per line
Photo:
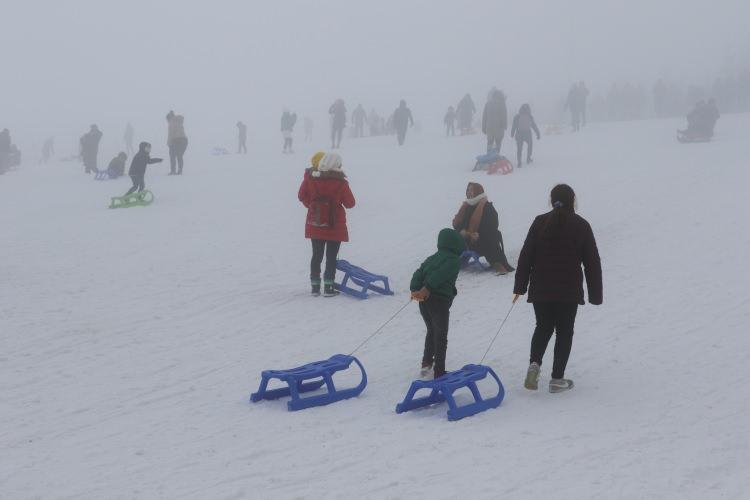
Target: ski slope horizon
[132,339]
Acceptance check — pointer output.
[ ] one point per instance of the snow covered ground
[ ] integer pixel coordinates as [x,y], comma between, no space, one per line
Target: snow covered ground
[131,339]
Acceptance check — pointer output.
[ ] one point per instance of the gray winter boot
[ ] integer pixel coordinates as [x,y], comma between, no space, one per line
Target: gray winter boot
[560,385]
[532,377]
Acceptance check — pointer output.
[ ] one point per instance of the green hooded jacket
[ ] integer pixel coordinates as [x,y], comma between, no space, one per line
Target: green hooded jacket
[439,272]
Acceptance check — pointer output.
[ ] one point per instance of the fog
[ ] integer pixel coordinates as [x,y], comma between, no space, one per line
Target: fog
[70,64]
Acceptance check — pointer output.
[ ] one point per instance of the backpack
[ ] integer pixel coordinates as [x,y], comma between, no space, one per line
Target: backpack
[321,211]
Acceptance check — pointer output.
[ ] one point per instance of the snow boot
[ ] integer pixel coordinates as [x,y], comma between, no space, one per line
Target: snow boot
[532,377]
[329,291]
[426,368]
[499,269]
[315,288]
[560,385]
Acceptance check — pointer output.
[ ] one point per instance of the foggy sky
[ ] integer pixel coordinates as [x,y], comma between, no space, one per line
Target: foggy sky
[72,63]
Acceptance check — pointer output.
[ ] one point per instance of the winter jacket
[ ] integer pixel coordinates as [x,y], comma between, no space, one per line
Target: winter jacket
[490,239]
[175,128]
[495,117]
[330,192]
[90,142]
[116,167]
[465,111]
[402,118]
[550,264]
[288,120]
[439,272]
[523,124]
[338,110]
[140,160]
[450,118]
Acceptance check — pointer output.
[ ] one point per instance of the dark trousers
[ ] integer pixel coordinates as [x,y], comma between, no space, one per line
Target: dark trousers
[331,251]
[176,152]
[522,137]
[495,141]
[336,137]
[401,134]
[138,184]
[559,317]
[436,312]
[242,148]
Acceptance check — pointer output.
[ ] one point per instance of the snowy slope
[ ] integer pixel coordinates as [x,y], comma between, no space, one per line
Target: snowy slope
[131,339]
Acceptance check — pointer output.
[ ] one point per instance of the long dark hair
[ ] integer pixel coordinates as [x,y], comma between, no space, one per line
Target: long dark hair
[563,200]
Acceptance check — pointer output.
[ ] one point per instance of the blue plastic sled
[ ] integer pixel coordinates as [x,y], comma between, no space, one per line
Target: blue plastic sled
[363,279]
[442,389]
[305,379]
[101,175]
[469,258]
[484,161]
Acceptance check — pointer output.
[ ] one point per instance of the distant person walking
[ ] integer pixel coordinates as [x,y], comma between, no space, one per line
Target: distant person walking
[241,138]
[450,121]
[177,142]
[288,120]
[359,116]
[495,120]
[48,149]
[523,126]
[309,124]
[402,120]
[549,265]
[338,122]
[90,148]
[465,114]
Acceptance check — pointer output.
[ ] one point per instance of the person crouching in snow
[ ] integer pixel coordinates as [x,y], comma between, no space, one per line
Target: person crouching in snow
[433,285]
[523,125]
[478,223]
[325,193]
[137,169]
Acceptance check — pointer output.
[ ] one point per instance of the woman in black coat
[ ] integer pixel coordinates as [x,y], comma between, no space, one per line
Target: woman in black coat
[478,223]
[558,243]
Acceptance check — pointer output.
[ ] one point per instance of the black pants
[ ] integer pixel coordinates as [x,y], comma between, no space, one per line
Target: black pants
[176,152]
[522,137]
[331,250]
[495,141]
[242,147]
[436,312]
[89,162]
[401,134]
[138,184]
[559,317]
[336,133]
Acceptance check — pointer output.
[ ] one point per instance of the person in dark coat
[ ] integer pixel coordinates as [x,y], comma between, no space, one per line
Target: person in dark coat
[241,138]
[338,122]
[465,114]
[4,150]
[523,125]
[116,167]
[288,121]
[478,223]
[402,120]
[450,121]
[326,194]
[48,149]
[495,120]
[558,243]
[177,141]
[137,170]
[90,148]
[359,116]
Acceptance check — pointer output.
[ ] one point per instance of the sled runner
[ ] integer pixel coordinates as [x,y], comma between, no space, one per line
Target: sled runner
[363,279]
[142,198]
[442,389]
[101,175]
[469,258]
[308,378]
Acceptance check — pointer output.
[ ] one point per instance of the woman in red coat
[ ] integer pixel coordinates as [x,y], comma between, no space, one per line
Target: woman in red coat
[325,193]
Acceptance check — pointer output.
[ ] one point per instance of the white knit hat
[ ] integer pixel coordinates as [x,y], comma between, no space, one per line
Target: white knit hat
[330,162]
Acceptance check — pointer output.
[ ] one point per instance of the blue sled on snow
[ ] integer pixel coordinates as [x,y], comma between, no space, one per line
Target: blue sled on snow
[365,280]
[308,378]
[442,389]
[484,161]
[469,258]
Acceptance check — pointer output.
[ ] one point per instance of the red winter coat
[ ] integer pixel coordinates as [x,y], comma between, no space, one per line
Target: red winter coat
[335,189]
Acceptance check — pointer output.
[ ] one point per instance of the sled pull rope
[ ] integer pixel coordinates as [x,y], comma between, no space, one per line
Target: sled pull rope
[498,332]
[380,328]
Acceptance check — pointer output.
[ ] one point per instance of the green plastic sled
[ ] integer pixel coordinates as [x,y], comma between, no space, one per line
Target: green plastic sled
[140,199]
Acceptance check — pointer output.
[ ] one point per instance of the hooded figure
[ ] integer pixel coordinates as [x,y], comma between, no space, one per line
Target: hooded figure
[495,120]
[90,148]
[177,142]
[465,113]
[450,121]
[241,137]
[116,167]
[338,122]
[288,121]
[326,194]
[402,119]
[137,169]
[523,125]
[478,223]
[359,115]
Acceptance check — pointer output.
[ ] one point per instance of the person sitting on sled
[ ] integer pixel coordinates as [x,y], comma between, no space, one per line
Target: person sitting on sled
[116,167]
[433,285]
[138,167]
[478,223]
